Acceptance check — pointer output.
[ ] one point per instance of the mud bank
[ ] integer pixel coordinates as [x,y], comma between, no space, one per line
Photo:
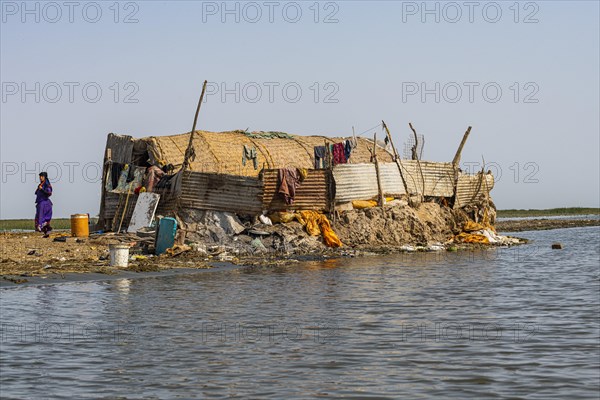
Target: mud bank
[543,224]
[223,237]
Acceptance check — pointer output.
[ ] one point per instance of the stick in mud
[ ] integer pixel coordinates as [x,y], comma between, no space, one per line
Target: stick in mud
[398,163]
[456,159]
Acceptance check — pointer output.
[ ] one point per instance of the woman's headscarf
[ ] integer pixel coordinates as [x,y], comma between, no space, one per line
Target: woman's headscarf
[46,181]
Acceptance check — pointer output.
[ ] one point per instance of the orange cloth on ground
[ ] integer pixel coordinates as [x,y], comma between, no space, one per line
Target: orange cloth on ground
[472,238]
[318,224]
[360,204]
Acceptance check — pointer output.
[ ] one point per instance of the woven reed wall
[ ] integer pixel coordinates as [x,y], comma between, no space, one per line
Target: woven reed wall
[221,152]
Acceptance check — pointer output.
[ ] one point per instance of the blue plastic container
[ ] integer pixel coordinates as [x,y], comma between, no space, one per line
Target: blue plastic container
[165,237]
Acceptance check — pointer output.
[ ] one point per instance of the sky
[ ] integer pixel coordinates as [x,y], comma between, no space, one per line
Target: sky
[524,75]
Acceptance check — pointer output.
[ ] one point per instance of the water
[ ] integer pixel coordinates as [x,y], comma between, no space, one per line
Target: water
[518,323]
[559,217]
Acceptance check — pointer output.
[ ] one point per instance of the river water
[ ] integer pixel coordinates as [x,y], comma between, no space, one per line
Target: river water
[506,323]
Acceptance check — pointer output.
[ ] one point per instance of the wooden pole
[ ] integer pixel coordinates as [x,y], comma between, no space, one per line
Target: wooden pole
[456,159]
[380,197]
[415,157]
[189,152]
[397,159]
[414,154]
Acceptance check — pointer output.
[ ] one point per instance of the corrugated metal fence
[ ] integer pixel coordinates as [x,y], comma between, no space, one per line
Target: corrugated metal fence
[354,182]
[347,182]
[471,187]
[312,194]
[359,181]
[210,191]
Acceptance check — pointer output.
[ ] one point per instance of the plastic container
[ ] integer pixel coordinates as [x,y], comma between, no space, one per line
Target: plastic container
[80,225]
[165,237]
[119,255]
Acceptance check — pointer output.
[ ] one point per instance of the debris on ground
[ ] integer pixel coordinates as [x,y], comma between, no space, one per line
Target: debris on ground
[206,236]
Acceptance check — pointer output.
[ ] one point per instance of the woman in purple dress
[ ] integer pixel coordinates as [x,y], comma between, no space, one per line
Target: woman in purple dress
[43,205]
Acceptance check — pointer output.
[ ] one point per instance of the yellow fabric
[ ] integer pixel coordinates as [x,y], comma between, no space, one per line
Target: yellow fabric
[472,226]
[472,238]
[303,173]
[360,204]
[317,224]
[329,236]
[310,219]
[282,217]
[485,221]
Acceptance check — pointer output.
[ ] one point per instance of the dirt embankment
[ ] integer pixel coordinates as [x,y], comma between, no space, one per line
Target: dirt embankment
[374,228]
[543,224]
[214,236]
[29,254]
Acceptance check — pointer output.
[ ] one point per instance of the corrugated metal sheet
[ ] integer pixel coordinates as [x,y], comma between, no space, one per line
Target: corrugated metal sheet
[472,187]
[209,191]
[359,181]
[121,148]
[355,182]
[312,194]
[438,178]
[391,181]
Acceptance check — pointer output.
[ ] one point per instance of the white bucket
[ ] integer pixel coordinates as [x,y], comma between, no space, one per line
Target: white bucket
[119,255]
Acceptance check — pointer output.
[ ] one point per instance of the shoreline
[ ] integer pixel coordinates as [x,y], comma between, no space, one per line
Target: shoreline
[542,224]
[86,269]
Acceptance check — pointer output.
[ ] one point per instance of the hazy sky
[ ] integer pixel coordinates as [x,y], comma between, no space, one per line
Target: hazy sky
[524,76]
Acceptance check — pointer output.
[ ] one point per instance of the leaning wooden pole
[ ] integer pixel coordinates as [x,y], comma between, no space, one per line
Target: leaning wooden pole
[397,159]
[380,198]
[415,157]
[456,159]
[189,152]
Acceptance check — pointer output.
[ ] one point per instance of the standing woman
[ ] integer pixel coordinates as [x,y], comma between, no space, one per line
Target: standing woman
[43,205]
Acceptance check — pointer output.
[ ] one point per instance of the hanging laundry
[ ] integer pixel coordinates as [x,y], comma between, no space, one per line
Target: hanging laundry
[249,153]
[339,156]
[388,145]
[320,154]
[289,181]
[122,185]
[131,174]
[302,173]
[348,149]
[115,174]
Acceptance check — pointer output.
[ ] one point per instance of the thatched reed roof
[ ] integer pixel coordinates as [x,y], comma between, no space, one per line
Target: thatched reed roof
[221,152]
